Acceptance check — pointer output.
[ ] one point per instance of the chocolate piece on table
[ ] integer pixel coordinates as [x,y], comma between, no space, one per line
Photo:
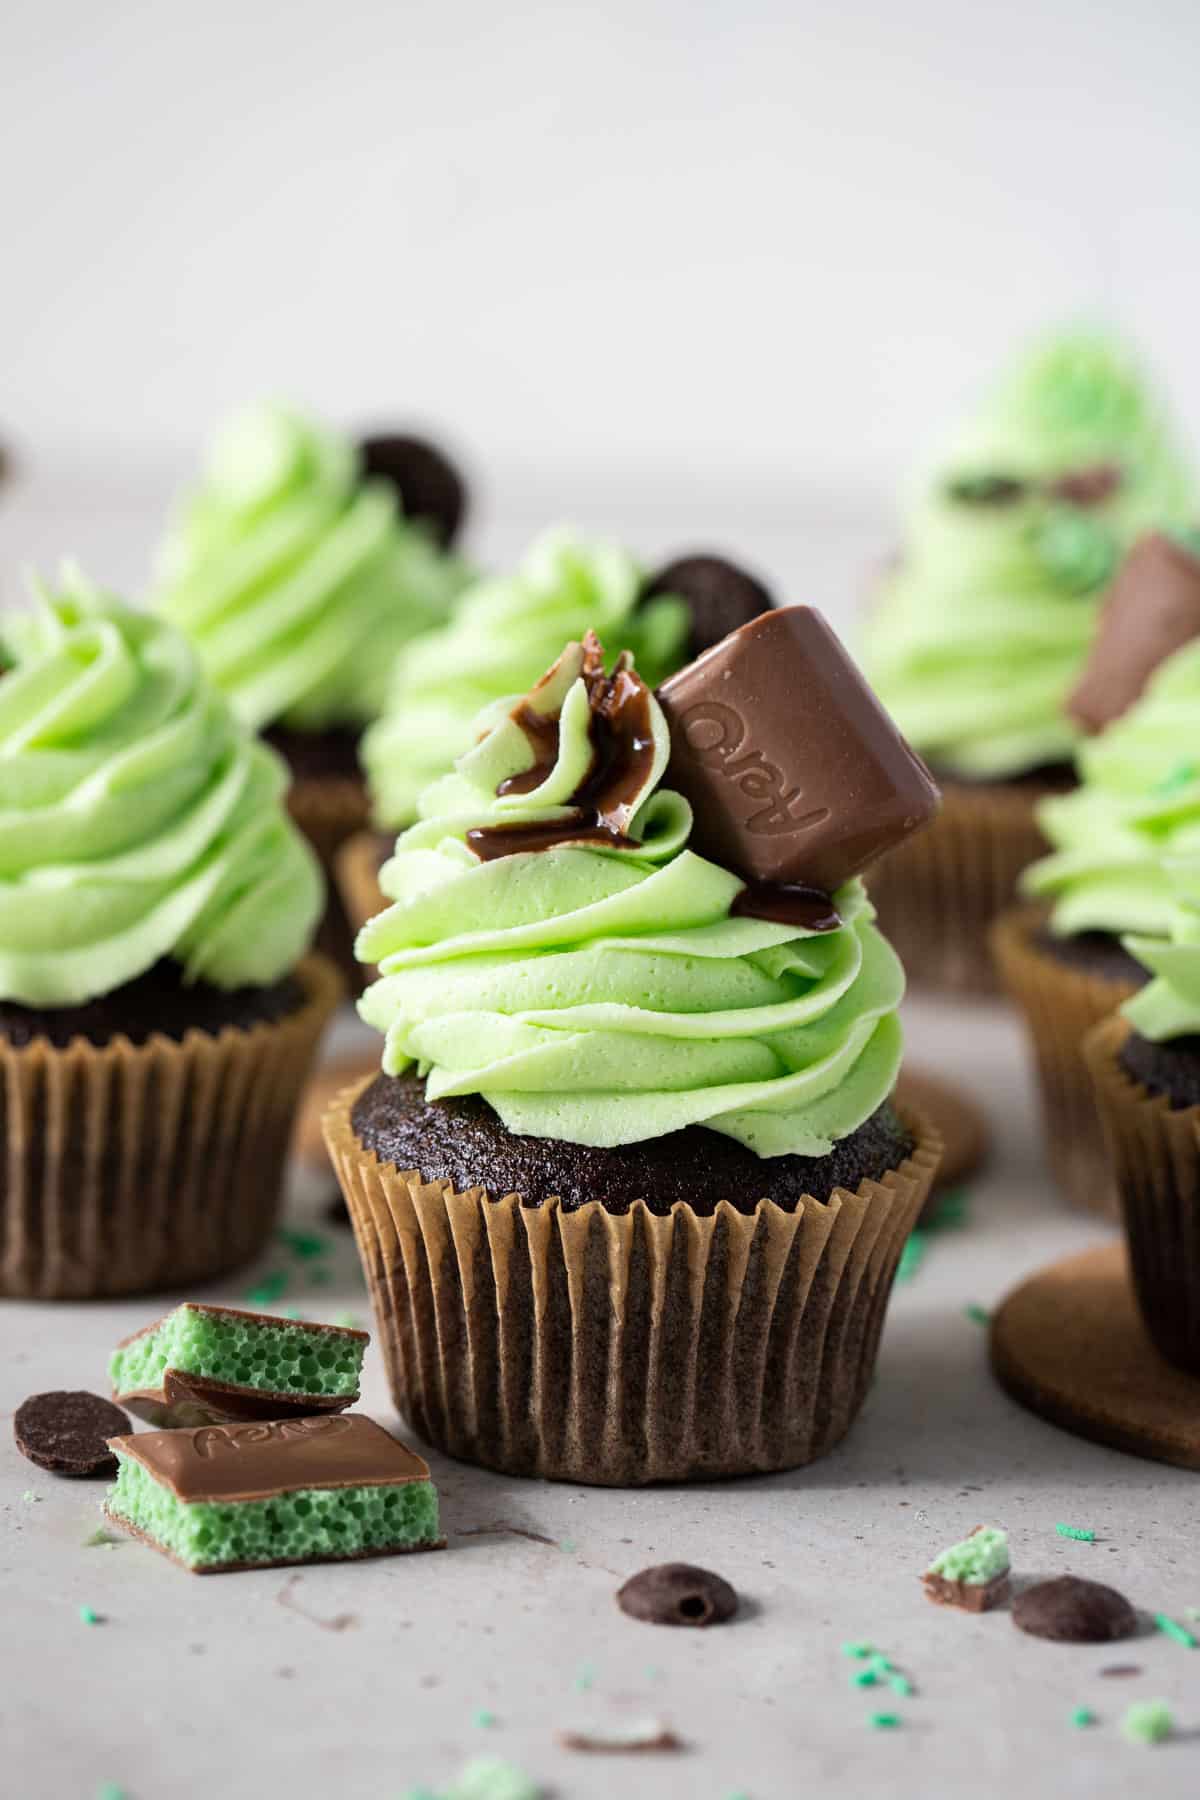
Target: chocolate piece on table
[1070,1610]
[971,1596]
[719,597]
[67,1432]
[796,774]
[974,1574]
[429,485]
[678,1594]
[202,1364]
[226,1497]
[1152,611]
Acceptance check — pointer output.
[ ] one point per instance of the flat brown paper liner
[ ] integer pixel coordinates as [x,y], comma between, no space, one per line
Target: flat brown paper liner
[329,809]
[618,1350]
[938,892]
[130,1167]
[1061,1005]
[1155,1154]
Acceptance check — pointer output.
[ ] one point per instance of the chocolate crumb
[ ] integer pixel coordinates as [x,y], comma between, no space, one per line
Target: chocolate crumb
[1122,1669]
[1070,1610]
[67,1432]
[678,1594]
[647,1734]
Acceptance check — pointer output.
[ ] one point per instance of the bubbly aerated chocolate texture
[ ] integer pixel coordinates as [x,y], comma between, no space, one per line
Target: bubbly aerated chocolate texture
[254,1462]
[1171,1068]
[1152,611]
[430,487]
[719,596]
[461,1141]
[795,772]
[161,1002]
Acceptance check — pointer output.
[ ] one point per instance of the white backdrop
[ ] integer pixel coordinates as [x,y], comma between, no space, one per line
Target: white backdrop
[713,248]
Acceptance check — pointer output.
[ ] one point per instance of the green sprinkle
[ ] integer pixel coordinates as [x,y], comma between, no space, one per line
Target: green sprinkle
[89,1615]
[584,1678]
[900,1684]
[882,1721]
[30,1498]
[271,1288]
[911,1257]
[303,1243]
[568,1546]
[978,1315]
[487,1778]
[1180,1633]
[484,1719]
[1147,1722]
[1083,1715]
[1181,776]
[857,1650]
[99,1536]
[653,1672]
[1081,1534]
[880,1664]
[108,1790]
[863,1678]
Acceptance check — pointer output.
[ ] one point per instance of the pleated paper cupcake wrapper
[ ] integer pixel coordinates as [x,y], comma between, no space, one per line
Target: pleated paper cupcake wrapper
[1155,1154]
[938,893]
[357,868]
[132,1167]
[1061,1005]
[617,1350]
[329,809]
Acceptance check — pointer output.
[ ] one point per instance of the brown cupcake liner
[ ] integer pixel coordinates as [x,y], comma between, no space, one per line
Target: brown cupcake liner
[357,868]
[329,809]
[617,1350]
[126,1168]
[1062,1004]
[938,893]
[1155,1153]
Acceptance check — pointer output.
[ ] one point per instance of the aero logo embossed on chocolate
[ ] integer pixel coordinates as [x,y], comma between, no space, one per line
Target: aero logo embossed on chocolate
[795,773]
[212,1440]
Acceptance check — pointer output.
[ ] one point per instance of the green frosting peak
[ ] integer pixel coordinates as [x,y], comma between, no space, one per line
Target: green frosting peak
[137,820]
[982,628]
[504,632]
[1137,805]
[604,992]
[297,580]
[1169,1005]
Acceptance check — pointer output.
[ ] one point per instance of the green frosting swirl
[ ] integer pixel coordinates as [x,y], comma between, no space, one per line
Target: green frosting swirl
[504,632]
[297,581]
[137,820]
[604,995]
[1169,1005]
[983,628]
[1137,807]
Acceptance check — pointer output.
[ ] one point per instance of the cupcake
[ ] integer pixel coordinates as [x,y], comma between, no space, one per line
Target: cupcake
[299,567]
[1145,1064]
[505,631]
[157,1013]
[982,627]
[1137,806]
[630,1189]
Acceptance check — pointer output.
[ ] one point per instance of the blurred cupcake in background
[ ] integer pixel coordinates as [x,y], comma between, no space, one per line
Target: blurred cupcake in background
[981,629]
[158,1015]
[504,633]
[1137,809]
[1145,1064]
[299,567]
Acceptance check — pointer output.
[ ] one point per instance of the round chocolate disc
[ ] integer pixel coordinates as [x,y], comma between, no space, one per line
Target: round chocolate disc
[68,1432]
[429,485]
[678,1594]
[1070,1610]
[720,597]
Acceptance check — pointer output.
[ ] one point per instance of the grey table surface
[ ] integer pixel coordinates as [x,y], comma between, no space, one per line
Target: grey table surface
[367,1679]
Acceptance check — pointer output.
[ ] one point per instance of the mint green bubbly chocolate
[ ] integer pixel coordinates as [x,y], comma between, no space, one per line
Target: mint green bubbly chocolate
[137,819]
[218,1343]
[297,580]
[982,628]
[504,632]
[603,990]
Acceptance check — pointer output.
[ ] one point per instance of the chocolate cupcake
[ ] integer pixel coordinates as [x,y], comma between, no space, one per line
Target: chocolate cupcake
[156,1025]
[1138,805]
[1145,1065]
[982,627]
[299,567]
[641,1220]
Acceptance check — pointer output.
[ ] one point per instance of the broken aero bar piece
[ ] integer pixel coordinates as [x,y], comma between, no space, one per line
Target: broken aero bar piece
[973,1574]
[795,773]
[1152,610]
[202,1364]
[227,1497]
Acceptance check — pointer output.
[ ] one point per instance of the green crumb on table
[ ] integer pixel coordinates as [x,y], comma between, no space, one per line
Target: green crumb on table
[978,1315]
[1080,1534]
[900,1684]
[30,1498]
[483,1718]
[864,1678]
[880,1663]
[89,1616]
[980,1558]
[1171,1629]
[568,1546]
[270,1288]
[1147,1722]
[100,1536]
[108,1790]
[1083,1715]
[857,1650]
[884,1721]
[584,1678]
[487,1778]
[303,1244]
[911,1257]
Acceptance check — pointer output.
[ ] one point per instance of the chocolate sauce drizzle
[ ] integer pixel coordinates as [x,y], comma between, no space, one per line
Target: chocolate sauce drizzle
[787,903]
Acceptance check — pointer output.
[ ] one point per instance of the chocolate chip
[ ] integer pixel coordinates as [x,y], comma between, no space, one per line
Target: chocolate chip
[1070,1610]
[986,490]
[1087,487]
[68,1433]
[678,1594]
[429,486]
[719,597]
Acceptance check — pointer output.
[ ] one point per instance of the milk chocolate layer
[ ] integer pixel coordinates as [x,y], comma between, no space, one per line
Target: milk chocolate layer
[971,1596]
[795,772]
[1152,611]
[279,1456]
